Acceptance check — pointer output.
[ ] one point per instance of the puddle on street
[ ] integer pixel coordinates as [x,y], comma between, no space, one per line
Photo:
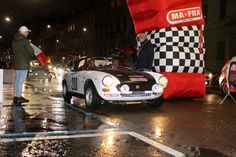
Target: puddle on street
[43,118]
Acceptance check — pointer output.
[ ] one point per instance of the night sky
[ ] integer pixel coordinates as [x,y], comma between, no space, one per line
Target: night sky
[26,12]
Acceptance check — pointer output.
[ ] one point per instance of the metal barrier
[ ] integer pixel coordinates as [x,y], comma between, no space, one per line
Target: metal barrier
[1,85]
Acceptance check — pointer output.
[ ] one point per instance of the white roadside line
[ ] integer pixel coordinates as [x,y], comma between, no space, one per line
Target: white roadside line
[155,144]
[44,136]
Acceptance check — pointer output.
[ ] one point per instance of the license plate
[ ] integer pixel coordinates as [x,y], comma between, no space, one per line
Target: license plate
[137,94]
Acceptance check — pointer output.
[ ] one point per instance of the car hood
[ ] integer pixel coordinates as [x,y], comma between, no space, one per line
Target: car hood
[129,75]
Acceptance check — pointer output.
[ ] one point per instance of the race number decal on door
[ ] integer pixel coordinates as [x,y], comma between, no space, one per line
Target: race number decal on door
[74,84]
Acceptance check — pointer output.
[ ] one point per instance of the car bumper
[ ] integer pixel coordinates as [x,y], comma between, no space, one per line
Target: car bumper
[131,96]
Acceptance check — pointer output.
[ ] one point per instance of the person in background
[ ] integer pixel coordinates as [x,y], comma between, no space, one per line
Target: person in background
[22,52]
[91,64]
[145,54]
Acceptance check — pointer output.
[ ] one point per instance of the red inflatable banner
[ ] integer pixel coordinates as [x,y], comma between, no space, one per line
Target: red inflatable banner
[150,15]
[184,85]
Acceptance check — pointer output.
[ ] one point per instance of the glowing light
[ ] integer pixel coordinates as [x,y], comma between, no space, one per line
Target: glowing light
[84,29]
[158,132]
[8,19]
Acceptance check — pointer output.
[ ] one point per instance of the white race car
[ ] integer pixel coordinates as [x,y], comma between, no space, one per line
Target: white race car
[101,80]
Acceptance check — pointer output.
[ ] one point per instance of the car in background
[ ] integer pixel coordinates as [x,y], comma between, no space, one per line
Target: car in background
[58,70]
[209,78]
[37,71]
[101,80]
[223,74]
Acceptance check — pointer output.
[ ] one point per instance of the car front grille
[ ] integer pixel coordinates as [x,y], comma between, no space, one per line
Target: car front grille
[138,86]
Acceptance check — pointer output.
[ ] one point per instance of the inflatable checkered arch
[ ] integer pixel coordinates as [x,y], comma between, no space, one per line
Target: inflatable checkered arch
[178,49]
[178,59]
[185,36]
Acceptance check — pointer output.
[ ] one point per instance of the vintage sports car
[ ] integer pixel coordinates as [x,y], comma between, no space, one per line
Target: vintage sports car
[102,80]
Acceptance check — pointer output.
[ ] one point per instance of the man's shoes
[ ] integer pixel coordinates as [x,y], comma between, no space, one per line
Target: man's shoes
[20,100]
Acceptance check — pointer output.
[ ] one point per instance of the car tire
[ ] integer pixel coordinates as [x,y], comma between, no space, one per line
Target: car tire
[92,99]
[156,102]
[67,97]
[224,87]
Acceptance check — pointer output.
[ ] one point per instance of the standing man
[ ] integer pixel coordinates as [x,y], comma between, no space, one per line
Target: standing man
[22,53]
[145,55]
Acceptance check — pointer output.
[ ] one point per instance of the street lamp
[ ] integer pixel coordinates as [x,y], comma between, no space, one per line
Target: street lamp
[0,37]
[57,42]
[7,19]
[85,29]
[49,26]
[63,60]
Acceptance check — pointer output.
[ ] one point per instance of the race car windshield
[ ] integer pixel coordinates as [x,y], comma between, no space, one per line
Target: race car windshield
[110,63]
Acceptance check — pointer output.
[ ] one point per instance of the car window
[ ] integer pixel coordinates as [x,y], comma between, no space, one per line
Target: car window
[68,66]
[102,62]
[80,65]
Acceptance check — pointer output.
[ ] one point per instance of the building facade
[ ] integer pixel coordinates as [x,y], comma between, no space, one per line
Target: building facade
[97,31]
[100,30]
[220,32]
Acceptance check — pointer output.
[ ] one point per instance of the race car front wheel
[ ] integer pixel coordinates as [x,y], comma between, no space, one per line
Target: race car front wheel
[156,102]
[67,97]
[92,99]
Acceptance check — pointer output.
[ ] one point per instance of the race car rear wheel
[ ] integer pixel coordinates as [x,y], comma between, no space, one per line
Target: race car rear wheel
[92,99]
[67,97]
[224,87]
[156,102]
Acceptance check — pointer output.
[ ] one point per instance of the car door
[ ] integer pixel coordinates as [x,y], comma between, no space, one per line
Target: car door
[77,77]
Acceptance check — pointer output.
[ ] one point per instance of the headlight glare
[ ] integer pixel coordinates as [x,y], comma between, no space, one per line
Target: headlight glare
[163,81]
[155,88]
[107,81]
[124,88]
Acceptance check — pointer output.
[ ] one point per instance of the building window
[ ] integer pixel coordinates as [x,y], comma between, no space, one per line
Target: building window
[71,28]
[223,5]
[115,3]
[221,50]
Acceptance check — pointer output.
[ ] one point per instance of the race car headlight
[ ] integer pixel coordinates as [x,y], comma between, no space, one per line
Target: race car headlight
[163,81]
[124,88]
[155,88]
[107,81]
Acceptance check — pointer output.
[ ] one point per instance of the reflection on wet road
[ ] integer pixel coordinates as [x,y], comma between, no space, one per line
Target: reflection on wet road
[46,126]
[44,117]
[196,127]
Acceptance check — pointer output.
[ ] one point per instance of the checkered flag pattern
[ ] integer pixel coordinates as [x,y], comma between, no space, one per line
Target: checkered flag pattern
[177,49]
[178,59]
[185,36]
